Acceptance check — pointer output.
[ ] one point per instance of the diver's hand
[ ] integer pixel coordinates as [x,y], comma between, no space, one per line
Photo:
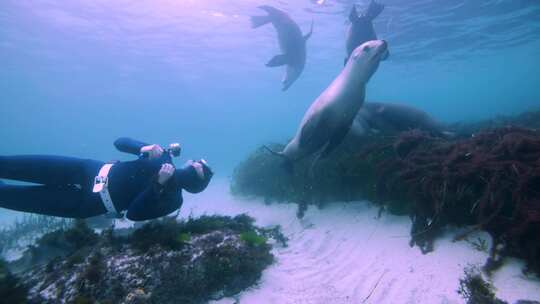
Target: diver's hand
[165,173]
[153,151]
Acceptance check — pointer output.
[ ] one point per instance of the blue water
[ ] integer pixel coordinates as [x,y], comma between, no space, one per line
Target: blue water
[75,75]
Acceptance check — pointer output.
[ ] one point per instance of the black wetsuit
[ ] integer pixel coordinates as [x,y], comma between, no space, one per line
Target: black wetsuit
[66,185]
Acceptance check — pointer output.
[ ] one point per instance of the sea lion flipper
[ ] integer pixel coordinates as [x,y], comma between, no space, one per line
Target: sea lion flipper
[257,21]
[287,164]
[373,10]
[334,141]
[353,15]
[278,60]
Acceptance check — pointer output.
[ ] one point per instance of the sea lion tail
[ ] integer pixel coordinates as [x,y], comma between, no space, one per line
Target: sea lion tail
[287,163]
[374,9]
[257,21]
[280,154]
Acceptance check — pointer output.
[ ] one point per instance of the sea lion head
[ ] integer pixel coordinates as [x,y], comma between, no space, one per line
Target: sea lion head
[365,58]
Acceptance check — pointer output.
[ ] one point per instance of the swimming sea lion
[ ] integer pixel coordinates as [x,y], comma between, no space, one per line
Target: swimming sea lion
[330,116]
[393,118]
[291,43]
[361,28]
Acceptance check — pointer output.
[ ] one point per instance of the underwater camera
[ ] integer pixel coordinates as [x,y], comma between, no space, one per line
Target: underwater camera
[174,150]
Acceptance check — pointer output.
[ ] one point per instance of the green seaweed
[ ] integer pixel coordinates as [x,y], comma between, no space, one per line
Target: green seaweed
[172,234]
[252,238]
[63,242]
[76,237]
[350,173]
[184,237]
[476,290]
[163,232]
[12,290]
[95,268]
[479,244]
[25,229]
[222,270]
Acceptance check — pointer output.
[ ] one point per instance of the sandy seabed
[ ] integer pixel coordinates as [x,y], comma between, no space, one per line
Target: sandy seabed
[345,254]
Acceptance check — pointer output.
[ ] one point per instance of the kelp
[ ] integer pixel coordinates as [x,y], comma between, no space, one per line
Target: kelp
[528,119]
[476,289]
[488,180]
[349,174]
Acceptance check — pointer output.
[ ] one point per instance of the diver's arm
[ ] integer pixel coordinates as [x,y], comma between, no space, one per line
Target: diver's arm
[155,201]
[161,197]
[129,145]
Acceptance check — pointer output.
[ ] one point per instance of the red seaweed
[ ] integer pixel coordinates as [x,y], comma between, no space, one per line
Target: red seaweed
[490,180]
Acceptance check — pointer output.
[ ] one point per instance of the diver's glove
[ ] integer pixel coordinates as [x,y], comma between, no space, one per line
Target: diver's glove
[165,173]
[152,151]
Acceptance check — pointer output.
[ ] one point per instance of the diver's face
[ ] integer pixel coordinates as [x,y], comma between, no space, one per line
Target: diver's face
[198,166]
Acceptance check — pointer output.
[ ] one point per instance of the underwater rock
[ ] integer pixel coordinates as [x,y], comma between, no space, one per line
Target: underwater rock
[164,261]
[11,289]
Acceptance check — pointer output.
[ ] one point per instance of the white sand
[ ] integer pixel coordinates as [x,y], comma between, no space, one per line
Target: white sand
[343,254]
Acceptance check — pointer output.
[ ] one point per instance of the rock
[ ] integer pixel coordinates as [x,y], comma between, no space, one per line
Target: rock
[162,262]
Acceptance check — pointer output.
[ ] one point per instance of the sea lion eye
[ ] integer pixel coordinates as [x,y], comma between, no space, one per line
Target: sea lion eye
[366,48]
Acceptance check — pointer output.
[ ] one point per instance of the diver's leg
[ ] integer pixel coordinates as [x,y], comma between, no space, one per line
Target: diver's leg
[44,169]
[48,200]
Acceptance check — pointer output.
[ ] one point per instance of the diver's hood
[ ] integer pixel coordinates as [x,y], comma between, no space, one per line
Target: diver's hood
[190,180]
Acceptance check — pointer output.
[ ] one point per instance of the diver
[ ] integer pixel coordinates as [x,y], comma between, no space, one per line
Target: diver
[142,189]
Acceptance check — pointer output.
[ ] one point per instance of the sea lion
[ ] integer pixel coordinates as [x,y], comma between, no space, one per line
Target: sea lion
[291,42]
[330,116]
[394,118]
[361,27]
